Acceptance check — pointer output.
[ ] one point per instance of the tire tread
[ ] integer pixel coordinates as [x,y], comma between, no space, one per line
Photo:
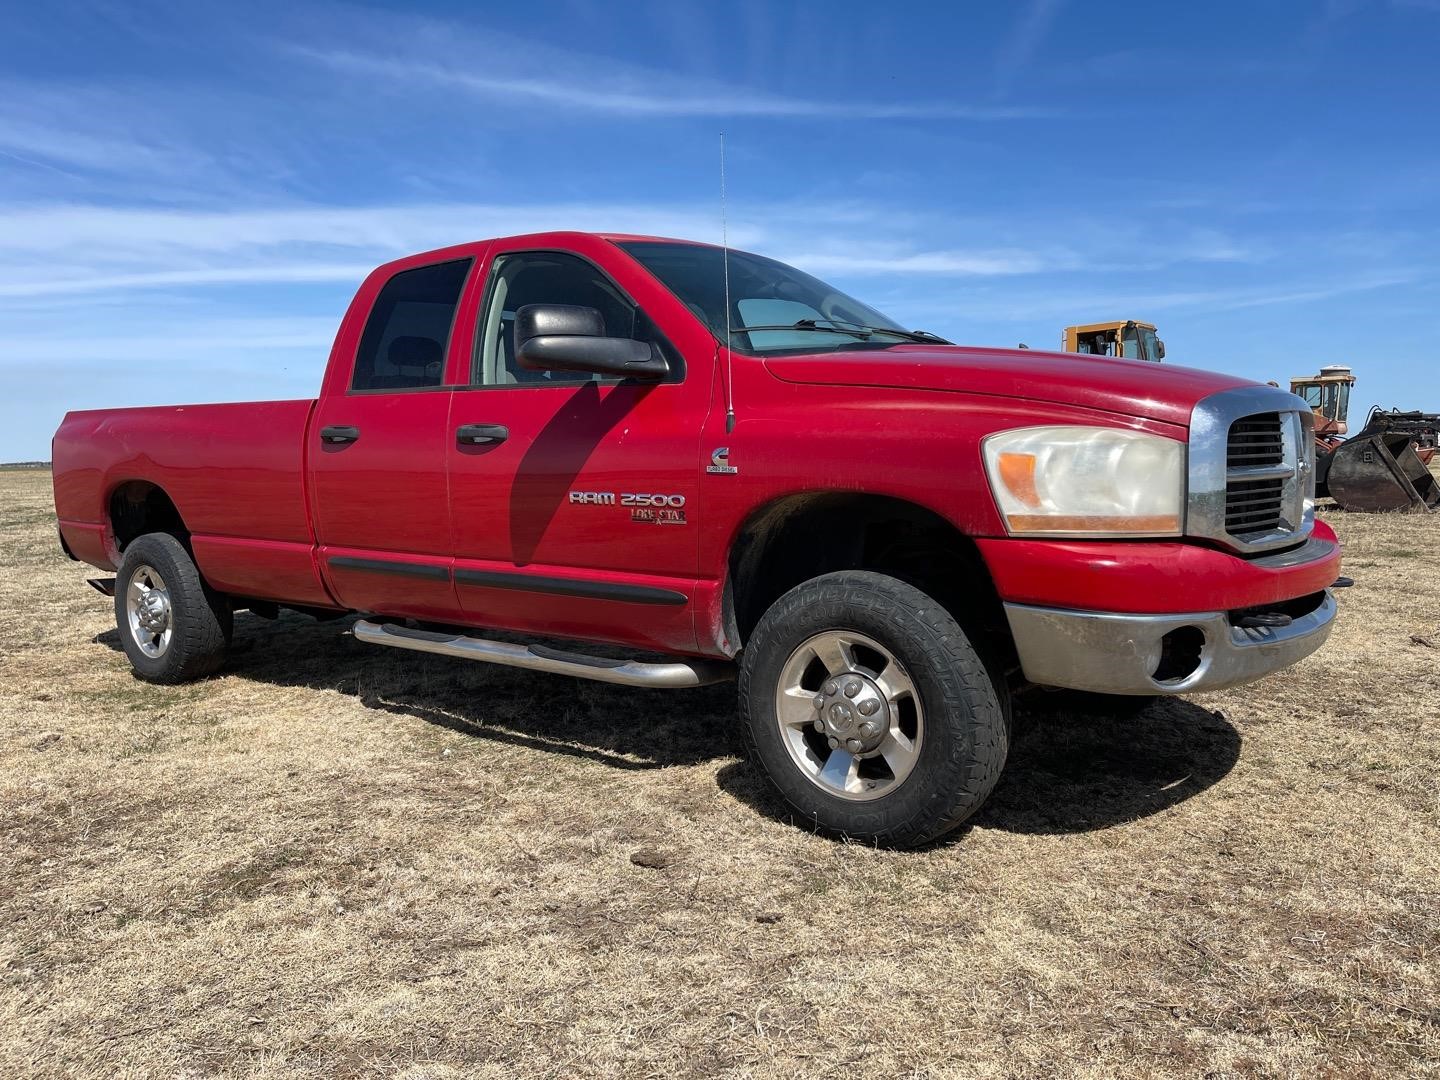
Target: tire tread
[973,764]
[201,617]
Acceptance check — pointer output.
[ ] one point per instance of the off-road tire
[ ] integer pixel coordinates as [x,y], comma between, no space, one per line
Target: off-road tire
[966,735]
[201,619]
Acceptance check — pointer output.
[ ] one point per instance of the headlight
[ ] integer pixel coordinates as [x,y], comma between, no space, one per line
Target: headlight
[1086,481]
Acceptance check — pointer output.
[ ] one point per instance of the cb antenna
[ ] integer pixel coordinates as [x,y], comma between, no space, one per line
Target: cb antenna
[725,262]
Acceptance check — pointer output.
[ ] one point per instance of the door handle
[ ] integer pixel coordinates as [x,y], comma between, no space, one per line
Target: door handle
[339,433]
[480,434]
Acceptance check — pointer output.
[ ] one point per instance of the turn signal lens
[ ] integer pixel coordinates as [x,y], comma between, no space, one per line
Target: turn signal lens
[1017,472]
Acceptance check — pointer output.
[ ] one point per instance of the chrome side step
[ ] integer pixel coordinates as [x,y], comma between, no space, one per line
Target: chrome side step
[676,674]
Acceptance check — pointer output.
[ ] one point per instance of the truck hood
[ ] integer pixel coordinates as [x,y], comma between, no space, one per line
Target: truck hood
[1128,387]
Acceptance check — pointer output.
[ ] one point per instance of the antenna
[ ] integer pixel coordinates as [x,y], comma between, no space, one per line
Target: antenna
[725,261]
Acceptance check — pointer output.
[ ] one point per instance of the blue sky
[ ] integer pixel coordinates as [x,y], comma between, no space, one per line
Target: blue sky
[189,193]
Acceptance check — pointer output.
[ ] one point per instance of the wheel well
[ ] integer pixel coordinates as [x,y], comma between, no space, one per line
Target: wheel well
[138,507]
[804,536]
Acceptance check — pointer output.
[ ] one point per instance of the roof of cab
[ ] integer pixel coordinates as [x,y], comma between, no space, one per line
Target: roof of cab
[470,248]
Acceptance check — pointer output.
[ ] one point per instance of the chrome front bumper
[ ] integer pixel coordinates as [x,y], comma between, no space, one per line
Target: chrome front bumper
[1111,653]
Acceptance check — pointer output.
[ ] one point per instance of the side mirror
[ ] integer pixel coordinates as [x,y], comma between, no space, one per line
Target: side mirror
[563,337]
[1160,348]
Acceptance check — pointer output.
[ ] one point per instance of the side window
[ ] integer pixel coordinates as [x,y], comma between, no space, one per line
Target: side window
[549,277]
[403,346]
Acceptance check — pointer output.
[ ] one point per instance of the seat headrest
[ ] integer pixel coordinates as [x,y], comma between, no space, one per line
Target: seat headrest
[415,352]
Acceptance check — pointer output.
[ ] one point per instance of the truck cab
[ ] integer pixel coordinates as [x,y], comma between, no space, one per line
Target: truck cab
[1328,395]
[1128,339]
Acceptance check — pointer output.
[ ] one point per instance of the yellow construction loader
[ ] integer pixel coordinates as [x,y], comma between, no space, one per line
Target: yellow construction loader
[1127,338]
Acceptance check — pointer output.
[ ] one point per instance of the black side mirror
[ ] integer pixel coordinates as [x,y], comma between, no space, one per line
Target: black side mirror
[563,337]
[1160,348]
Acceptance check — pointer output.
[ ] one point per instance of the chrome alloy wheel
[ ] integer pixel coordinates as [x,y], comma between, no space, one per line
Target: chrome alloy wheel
[147,608]
[849,715]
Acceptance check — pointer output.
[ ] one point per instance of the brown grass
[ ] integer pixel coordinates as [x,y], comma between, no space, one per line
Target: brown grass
[340,861]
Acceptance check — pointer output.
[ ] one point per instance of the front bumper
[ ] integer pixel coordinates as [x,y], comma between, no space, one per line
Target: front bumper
[1112,653]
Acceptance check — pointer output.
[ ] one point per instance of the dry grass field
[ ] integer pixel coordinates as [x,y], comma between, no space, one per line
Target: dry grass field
[336,861]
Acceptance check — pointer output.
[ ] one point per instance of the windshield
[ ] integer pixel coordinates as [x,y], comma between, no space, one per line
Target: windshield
[1140,343]
[1330,399]
[1149,344]
[801,313]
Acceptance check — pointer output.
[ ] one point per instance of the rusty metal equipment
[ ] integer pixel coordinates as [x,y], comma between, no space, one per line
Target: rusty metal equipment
[1328,394]
[1380,468]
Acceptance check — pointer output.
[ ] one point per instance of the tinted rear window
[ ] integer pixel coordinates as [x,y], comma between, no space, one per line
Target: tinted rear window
[408,331]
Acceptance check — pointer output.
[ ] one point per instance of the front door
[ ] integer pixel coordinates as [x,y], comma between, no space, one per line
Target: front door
[573,496]
[377,462]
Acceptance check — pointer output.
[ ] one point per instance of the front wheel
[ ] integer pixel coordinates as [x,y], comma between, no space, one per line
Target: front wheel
[870,710]
[173,627]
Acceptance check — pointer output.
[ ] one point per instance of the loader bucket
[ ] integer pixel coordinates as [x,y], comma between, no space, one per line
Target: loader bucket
[1381,471]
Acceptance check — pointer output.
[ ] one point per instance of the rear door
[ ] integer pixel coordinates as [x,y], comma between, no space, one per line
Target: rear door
[379,441]
[576,517]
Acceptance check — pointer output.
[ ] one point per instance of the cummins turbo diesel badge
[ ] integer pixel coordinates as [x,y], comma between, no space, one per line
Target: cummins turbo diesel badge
[720,462]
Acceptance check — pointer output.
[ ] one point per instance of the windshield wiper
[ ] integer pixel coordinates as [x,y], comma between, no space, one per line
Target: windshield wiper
[856,330]
[809,324]
[908,335]
[861,330]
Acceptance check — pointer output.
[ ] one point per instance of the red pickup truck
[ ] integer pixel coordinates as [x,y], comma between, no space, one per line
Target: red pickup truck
[713,456]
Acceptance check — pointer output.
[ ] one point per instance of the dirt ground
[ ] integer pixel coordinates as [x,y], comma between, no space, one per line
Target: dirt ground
[335,861]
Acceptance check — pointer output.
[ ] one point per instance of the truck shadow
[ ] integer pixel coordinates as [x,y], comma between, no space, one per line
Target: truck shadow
[1078,773]
[617,726]
[1070,773]
[1065,774]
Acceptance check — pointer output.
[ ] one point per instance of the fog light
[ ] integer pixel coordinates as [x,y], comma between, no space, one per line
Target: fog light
[1180,651]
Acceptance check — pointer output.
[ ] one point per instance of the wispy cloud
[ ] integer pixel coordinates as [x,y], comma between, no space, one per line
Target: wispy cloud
[1066,303]
[51,146]
[72,250]
[648,101]
[953,262]
[79,128]
[178,339]
[303,273]
[653,94]
[1015,55]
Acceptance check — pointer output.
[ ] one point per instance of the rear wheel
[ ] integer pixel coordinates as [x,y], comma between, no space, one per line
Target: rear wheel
[173,626]
[870,711]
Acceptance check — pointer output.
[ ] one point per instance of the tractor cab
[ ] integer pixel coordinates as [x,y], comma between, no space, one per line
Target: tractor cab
[1128,338]
[1328,395]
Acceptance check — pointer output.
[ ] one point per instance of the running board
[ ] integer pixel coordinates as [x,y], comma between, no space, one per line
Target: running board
[103,585]
[669,676]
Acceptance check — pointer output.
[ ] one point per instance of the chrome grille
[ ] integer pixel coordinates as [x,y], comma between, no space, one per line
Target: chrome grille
[1255,440]
[1255,504]
[1251,477]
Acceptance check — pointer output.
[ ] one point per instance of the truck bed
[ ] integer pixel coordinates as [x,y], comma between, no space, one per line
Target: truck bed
[234,471]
